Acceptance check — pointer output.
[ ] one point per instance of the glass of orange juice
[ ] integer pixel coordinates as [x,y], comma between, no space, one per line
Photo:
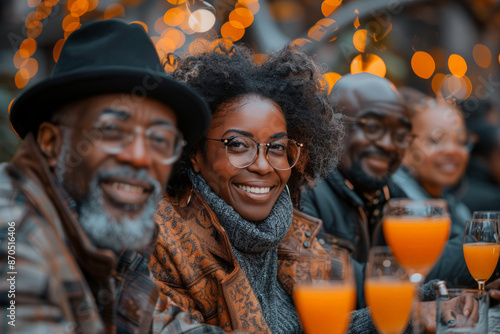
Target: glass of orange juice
[389,293]
[324,302]
[481,249]
[416,231]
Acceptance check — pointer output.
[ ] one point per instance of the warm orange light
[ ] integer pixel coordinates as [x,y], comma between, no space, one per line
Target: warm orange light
[21,78]
[300,42]
[233,30]
[33,3]
[176,2]
[30,21]
[242,15]
[160,25]
[199,46]
[332,78]
[482,55]
[32,67]
[27,47]
[79,7]
[142,24]
[176,36]
[368,63]
[92,5]
[423,64]
[356,21]
[457,65]
[458,87]
[329,6]
[114,10]
[51,3]
[42,11]
[71,23]
[252,5]
[35,29]
[165,46]
[259,58]
[57,49]
[131,2]
[224,41]
[437,82]
[10,105]
[19,61]
[174,16]
[359,39]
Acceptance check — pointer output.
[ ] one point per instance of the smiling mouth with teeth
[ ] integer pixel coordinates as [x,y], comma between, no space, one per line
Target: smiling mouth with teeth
[128,188]
[255,190]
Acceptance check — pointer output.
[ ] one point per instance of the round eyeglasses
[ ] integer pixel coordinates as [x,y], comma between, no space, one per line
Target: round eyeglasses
[164,140]
[241,151]
[374,129]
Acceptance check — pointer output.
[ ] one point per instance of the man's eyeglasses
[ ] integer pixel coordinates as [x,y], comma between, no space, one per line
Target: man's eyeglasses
[112,135]
[241,151]
[374,129]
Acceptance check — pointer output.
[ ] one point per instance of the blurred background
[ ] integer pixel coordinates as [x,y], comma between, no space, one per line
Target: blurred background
[435,46]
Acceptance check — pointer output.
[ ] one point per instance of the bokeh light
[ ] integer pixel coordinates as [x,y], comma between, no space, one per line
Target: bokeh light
[423,64]
[176,2]
[233,30]
[202,20]
[33,3]
[359,39]
[18,60]
[114,10]
[368,63]
[458,87]
[199,46]
[21,78]
[329,6]
[32,67]
[78,7]
[174,16]
[437,82]
[482,55]
[457,65]
[52,3]
[27,47]
[57,49]
[332,78]
[242,15]
[252,5]
[42,11]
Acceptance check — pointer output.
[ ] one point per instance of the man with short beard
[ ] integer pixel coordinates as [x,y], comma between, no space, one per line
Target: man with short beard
[378,130]
[77,200]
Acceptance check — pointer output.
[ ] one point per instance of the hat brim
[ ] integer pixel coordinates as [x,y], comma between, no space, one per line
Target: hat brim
[37,104]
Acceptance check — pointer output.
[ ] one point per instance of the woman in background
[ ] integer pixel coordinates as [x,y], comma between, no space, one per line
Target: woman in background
[435,160]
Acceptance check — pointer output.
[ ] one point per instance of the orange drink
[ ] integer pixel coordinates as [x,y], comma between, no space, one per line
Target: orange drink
[416,242]
[390,300]
[325,308]
[481,259]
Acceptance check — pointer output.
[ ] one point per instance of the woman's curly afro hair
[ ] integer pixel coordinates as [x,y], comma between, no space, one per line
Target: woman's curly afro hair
[289,78]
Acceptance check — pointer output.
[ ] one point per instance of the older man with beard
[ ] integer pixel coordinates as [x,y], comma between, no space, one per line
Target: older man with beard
[77,200]
[378,131]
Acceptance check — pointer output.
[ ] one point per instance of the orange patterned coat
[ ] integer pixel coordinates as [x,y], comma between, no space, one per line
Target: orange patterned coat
[197,271]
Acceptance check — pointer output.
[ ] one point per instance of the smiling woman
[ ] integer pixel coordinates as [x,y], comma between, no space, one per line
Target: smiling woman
[230,238]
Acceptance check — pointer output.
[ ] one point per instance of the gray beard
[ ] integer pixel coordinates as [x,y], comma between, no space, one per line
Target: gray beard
[106,231]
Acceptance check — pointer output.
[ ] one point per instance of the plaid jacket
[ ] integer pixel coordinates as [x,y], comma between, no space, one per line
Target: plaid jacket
[52,280]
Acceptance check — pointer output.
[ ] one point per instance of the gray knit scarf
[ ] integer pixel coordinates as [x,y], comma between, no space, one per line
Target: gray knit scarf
[254,245]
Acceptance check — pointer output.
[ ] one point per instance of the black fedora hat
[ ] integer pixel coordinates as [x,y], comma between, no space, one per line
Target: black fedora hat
[107,57]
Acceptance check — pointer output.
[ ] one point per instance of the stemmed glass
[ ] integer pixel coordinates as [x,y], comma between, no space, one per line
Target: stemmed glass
[481,249]
[325,294]
[388,291]
[417,232]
